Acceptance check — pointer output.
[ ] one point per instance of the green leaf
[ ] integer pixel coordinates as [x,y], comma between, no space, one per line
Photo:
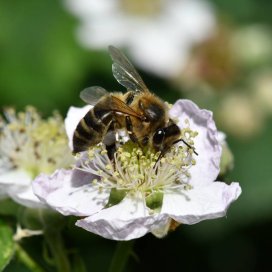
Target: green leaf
[6,245]
[8,207]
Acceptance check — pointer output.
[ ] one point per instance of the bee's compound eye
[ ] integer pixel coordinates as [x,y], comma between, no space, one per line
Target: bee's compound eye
[158,137]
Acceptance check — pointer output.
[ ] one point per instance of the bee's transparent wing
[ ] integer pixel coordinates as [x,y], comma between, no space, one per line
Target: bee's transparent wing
[92,94]
[125,73]
[117,105]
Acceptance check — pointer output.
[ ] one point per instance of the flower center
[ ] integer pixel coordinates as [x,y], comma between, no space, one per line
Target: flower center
[135,169]
[141,7]
[32,144]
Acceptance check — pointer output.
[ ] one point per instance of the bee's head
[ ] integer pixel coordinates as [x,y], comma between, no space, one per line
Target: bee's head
[164,138]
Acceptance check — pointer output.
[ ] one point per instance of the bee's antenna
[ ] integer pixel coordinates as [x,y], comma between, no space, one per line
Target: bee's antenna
[165,151]
[181,140]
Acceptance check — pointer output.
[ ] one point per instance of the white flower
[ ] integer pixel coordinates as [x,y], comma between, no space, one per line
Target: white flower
[158,34]
[261,83]
[256,41]
[240,115]
[134,194]
[29,146]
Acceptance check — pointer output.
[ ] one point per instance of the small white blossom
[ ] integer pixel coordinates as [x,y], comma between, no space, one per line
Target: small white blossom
[240,115]
[158,33]
[29,146]
[135,193]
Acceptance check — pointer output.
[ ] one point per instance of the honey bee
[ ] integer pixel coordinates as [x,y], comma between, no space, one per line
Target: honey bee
[140,112]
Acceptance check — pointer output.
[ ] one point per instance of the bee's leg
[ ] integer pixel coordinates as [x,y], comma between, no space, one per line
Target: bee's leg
[110,140]
[162,153]
[129,128]
[111,150]
[145,140]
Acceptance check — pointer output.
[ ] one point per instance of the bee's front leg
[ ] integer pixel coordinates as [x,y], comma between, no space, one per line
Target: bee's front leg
[129,128]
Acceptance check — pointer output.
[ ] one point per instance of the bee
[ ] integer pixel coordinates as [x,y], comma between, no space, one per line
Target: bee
[140,112]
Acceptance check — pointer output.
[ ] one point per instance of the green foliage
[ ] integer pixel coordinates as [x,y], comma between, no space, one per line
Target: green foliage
[8,207]
[245,11]
[7,245]
[41,64]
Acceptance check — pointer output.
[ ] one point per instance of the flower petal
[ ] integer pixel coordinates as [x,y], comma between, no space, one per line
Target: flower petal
[74,115]
[127,220]
[14,180]
[200,203]
[209,150]
[109,29]
[194,19]
[90,8]
[15,177]
[17,185]
[173,54]
[25,197]
[70,192]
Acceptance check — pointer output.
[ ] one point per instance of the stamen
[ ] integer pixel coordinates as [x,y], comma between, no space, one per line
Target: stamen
[31,143]
[137,169]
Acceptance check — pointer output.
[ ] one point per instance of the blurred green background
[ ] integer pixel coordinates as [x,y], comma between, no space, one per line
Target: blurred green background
[43,64]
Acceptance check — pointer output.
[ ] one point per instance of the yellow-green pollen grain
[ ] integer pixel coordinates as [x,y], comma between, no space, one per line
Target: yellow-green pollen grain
[33,144]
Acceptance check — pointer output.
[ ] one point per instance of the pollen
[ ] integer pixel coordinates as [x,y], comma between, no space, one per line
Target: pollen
[31,143]
[140,169]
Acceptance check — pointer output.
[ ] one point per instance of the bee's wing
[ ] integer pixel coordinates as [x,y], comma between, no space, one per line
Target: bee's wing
[125,73]
[119,106]
[92,94]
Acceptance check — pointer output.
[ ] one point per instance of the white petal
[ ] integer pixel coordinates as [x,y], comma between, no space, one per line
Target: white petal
[74,115]
[70,192]
[26,197]
[17,185]
[194,19]
[125,221]
[165,60]
[89,8]
[161,228]
[206,143]
[15,177]
[200,203]
[115,31]
[14,180]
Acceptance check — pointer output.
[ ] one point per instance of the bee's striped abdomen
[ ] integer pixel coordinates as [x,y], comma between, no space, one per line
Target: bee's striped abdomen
[89,132]
[91,128]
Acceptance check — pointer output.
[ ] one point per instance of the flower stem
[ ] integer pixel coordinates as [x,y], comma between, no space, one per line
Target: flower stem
[27,260]
[120,257]
[57,250]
